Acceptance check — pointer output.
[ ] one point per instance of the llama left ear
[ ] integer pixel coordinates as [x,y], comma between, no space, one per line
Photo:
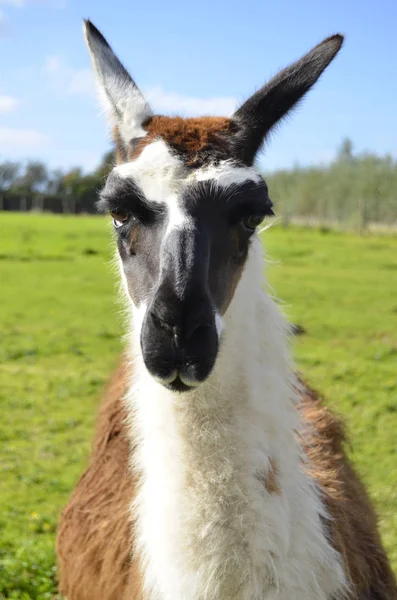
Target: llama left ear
[256,117]
[122,99]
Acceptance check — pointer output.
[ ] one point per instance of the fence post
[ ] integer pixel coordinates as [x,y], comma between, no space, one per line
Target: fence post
[39,202]
[64,204]
[362,216]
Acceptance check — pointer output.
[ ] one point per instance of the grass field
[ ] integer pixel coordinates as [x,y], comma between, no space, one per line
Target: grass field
[59,339]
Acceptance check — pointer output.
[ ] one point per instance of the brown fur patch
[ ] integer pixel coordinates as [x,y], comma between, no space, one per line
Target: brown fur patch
[231,286]
[133,237]
[269,478]
[94,535]
[121,154]
[193,138]
[232,280]
[353,527]
[272,482]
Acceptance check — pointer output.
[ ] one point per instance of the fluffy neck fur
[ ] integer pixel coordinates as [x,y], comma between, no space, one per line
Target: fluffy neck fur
[207,527]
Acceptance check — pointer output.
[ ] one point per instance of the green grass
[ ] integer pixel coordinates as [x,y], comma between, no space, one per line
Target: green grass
[59,338]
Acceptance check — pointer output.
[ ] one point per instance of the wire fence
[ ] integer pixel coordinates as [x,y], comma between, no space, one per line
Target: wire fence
[45,203]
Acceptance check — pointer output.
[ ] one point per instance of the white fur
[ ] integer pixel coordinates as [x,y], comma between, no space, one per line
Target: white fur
[226,174]
[169,379]
[121,99]
[219,324]
[193,383]
[207,527]
[160,176]
[157,170]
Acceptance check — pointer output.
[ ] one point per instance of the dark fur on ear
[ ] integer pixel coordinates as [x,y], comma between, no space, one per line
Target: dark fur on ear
[256,117]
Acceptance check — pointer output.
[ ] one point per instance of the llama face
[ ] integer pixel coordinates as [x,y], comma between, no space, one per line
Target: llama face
[186,201]
[183,235]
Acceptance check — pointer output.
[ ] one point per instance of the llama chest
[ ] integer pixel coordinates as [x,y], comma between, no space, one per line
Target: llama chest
[211,526]
[233,549]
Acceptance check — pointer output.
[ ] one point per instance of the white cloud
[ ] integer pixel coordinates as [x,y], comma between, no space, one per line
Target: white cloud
[80,82]
[2,20]
[88,161]
[17,3]
[22,3]
[172,102]
[8,103]
[22,138]
[4,29]
[52,64]
[68,80]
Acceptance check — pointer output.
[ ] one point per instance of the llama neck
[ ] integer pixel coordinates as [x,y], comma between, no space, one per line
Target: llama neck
[221,469]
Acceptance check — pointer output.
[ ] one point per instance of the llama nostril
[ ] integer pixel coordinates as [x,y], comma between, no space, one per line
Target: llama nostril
[197,326]
[177,336]
[187,325]
[160,323]
[174,331]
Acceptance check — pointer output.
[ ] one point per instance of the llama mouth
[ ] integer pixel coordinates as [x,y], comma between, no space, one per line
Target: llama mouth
[182,378]
[179,379]
[177,385]
[179,382]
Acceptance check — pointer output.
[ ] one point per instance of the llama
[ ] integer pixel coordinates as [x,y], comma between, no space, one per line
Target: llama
[216,473]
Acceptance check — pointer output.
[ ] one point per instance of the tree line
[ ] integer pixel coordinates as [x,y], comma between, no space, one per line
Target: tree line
[34,187]
[354,189]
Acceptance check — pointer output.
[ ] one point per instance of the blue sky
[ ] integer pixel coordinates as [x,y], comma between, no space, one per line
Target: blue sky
[194,58]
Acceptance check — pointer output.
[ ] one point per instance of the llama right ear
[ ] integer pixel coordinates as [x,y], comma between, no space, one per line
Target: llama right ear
[121,97]
[258,115]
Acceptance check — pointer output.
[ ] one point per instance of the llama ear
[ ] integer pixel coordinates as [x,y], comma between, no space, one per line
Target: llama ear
[256,117]
[121,97]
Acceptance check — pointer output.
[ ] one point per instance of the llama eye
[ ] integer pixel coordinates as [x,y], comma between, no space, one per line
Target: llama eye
[251,223]
[117,223]
[119,219]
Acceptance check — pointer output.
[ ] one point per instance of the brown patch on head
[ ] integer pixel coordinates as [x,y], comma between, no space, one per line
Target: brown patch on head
[197,140]
[270,478]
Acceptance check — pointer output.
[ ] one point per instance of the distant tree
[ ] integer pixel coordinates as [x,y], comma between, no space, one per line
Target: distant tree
[34,179]
[80,190]
[345,152]
[355,189]
[72,181]
[9,172]
[55,183]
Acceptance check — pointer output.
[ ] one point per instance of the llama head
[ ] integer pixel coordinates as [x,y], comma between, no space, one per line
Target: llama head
[186,201]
